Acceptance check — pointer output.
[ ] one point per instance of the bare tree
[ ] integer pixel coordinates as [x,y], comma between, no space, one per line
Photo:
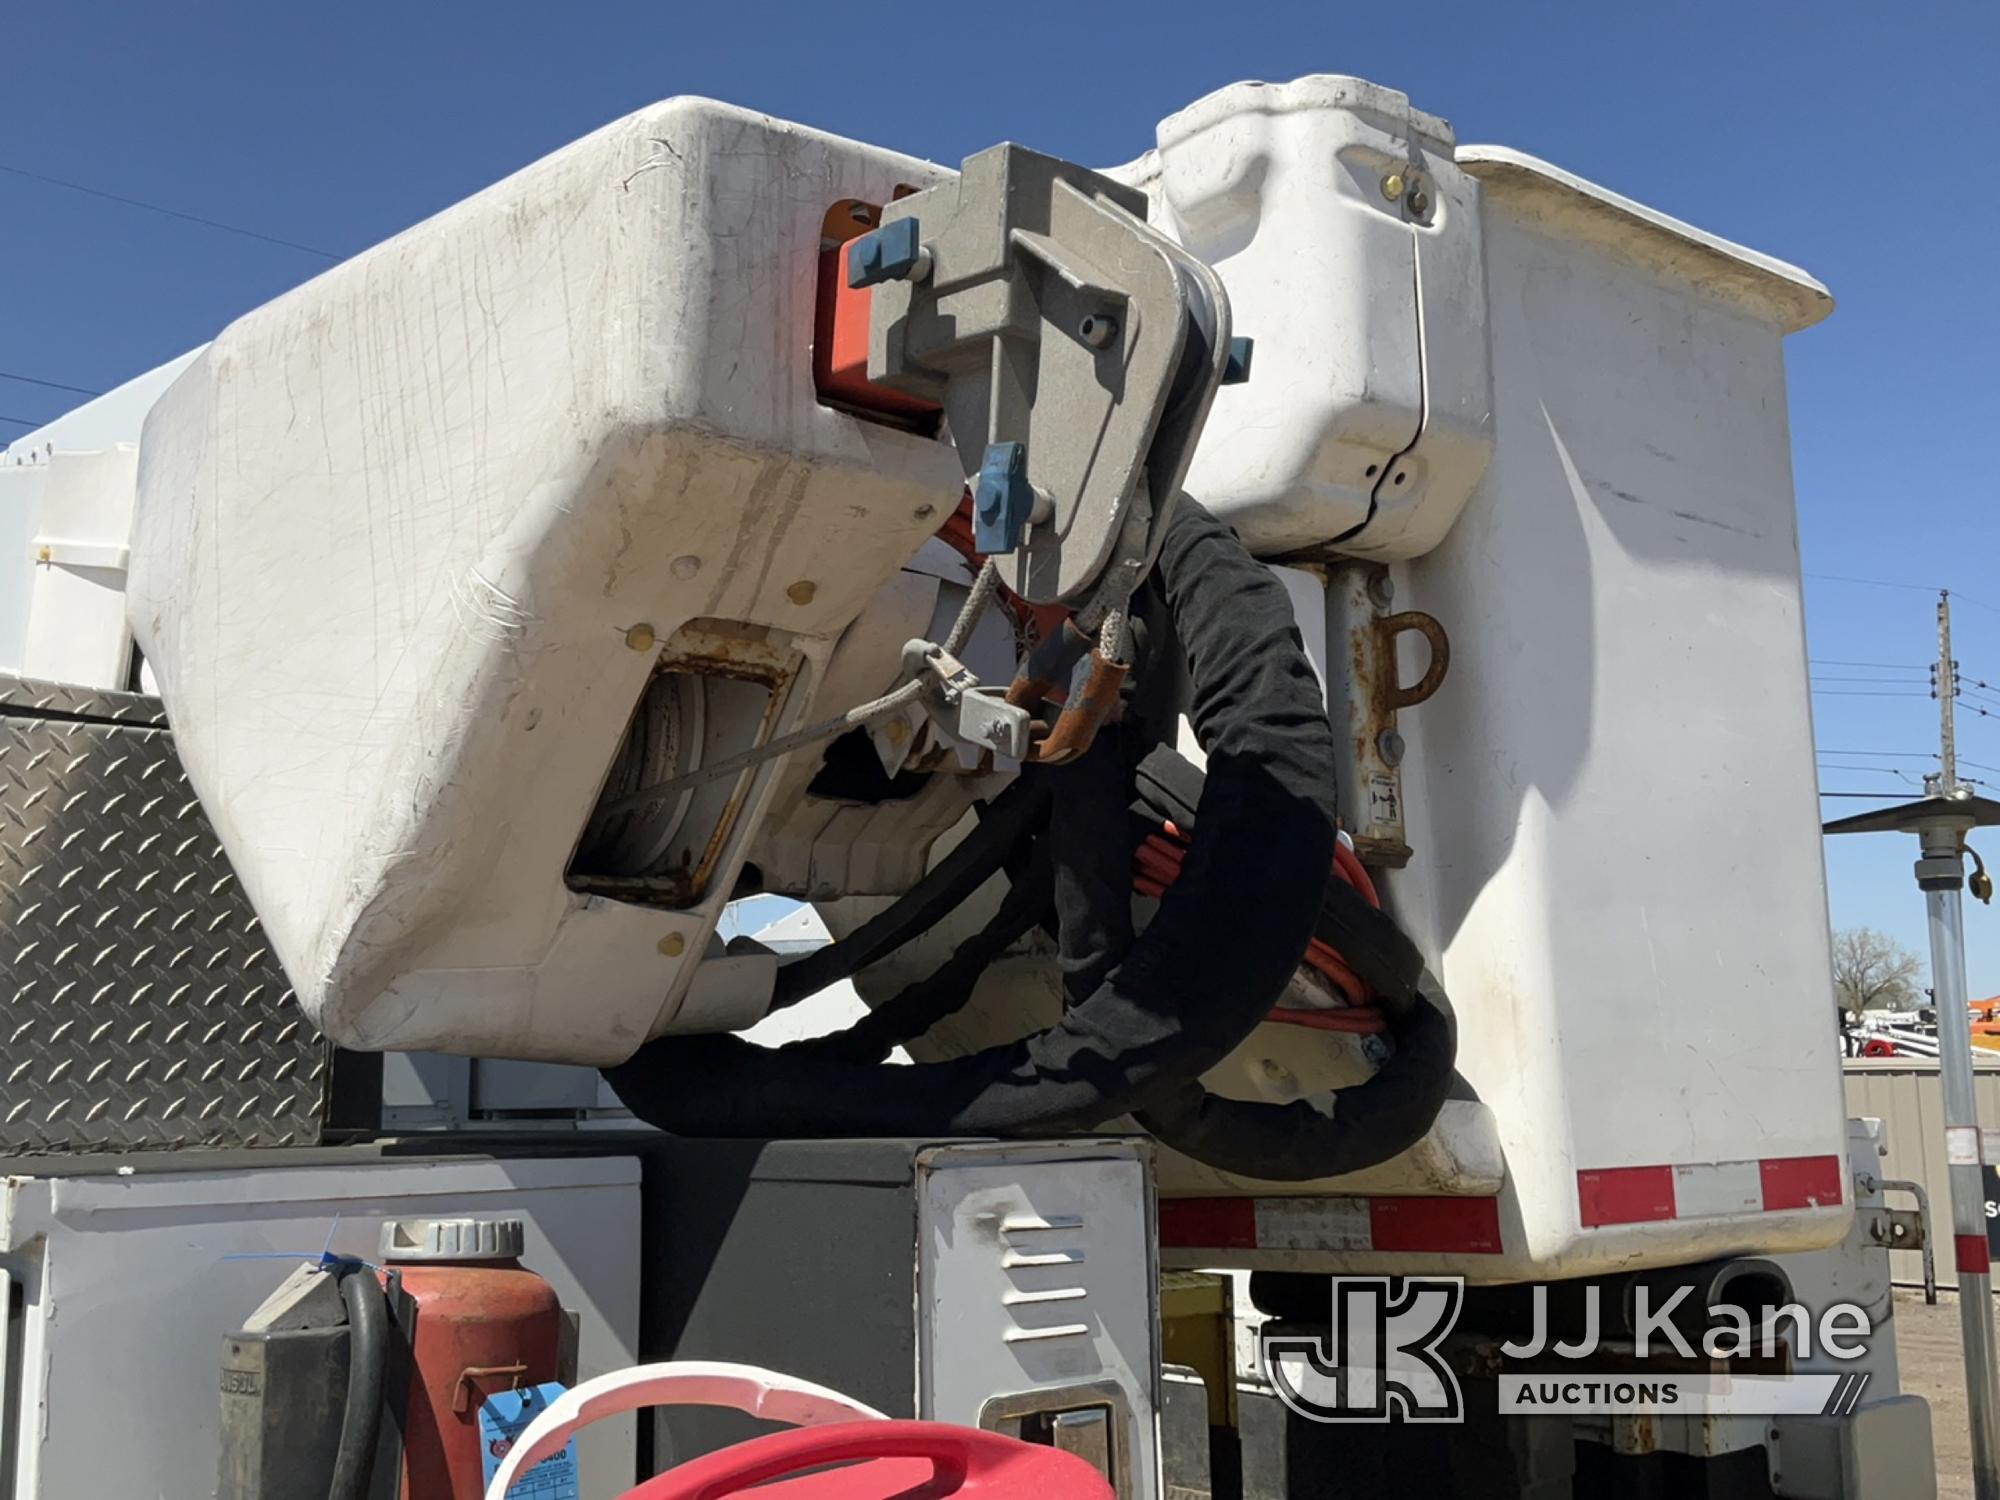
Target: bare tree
[1872,971]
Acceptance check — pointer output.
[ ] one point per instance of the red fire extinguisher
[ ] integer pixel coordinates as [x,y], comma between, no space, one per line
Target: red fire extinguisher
[482,1324]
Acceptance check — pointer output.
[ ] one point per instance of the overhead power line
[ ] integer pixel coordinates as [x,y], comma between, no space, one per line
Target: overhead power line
[1876,583]
[1890,583]
[54,385]
[172,213]
[1977,765]
[1903,776]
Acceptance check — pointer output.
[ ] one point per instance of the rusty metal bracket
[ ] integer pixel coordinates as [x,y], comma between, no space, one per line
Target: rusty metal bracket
[1905,1229]
[461,1389]
[1366,702]
[1049,666]
[1089,706]
[1897,1228]
[1392,695]
[1086,712]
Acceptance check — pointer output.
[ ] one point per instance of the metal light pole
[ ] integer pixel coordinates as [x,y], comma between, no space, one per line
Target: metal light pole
[1941,877]
[1941,822]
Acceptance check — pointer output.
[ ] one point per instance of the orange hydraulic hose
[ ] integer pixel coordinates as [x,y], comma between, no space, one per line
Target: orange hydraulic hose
[1157,864]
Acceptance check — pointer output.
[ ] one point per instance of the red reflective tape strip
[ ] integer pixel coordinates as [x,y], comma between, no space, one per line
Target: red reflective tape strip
[1625,1195]
[1209,1223]
[1802,1182]
[1467,1226]
[1973,1256]
[1425,1226]
[1647,1195]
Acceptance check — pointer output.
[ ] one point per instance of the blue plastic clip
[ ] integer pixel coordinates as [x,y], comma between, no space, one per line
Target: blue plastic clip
[1002,499]
[885,254]
[1237,369]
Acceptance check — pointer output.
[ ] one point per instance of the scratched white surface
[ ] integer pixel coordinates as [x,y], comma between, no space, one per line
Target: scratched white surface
[393,526]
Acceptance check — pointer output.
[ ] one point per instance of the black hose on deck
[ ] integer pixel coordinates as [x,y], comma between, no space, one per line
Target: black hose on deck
[367,1373]
[1228,935]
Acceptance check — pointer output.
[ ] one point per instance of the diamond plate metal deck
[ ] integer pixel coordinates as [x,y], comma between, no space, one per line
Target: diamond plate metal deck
[139,1004]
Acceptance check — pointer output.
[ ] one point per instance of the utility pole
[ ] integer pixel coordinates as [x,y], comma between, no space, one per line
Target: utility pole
[1944,682]
[1941,877]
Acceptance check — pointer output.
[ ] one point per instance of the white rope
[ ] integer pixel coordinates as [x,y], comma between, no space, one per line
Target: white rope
[984,587]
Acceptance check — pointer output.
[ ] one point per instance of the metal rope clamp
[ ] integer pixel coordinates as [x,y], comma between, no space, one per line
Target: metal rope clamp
[1075,350]
[976,716]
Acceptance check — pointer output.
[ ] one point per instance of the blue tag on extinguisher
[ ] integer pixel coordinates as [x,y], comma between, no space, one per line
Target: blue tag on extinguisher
[503,1416]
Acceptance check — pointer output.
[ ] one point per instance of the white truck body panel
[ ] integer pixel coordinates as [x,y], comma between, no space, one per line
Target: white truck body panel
[1611,801]
[1612,798]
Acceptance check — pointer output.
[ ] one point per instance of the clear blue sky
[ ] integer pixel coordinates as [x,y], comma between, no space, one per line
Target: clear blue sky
[1853,141]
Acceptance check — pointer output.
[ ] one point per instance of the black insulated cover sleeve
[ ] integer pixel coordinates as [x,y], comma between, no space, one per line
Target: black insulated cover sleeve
[1344,1131]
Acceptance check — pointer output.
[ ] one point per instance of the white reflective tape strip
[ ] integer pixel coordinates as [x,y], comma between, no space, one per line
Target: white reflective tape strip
[1313,1224]
[1708,1190]
[1961,1145]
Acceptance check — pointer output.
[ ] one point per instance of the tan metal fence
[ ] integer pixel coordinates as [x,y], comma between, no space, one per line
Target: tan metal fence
[1904,1094]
